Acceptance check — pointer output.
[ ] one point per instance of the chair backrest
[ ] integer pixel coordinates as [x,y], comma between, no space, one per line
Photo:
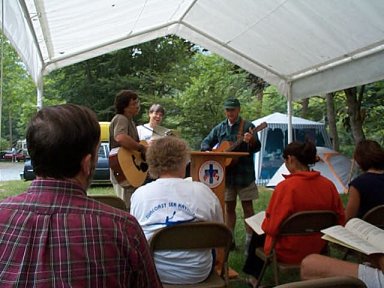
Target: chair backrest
[375,216]
[195,235]
[331,282]
[306,222]
[111,200]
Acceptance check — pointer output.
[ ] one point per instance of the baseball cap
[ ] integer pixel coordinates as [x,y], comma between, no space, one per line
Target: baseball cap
[231,103]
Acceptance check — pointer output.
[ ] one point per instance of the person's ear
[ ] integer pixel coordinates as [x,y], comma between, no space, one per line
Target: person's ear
[86,164]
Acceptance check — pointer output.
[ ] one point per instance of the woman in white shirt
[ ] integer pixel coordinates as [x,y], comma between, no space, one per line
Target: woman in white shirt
[152,129]
[172,199]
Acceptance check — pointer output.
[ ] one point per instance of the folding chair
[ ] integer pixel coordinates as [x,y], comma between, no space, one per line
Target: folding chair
[302,223]
[331,282]
[110,200]
[374,216]
[196,235]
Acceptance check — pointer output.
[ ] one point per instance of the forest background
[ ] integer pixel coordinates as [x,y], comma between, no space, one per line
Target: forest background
[191,83]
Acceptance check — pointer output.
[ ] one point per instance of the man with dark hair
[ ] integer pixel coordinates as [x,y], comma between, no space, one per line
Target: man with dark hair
[53,235]
[123,133]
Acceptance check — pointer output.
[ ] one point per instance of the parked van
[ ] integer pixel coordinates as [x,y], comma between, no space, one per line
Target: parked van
[104,135]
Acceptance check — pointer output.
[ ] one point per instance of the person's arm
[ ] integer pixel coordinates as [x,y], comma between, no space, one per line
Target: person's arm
[353,203]
[129,143]
[146,273]
[251,140]
[278,209]
[209,141]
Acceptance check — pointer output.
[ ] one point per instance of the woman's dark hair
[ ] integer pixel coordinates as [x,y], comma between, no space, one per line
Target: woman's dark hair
[157,108]
[305,152]
[369,154]
[122,100]
[58,138]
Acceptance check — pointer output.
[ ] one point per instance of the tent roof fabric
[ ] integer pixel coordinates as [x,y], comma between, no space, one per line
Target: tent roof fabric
[279,118]
[303,47]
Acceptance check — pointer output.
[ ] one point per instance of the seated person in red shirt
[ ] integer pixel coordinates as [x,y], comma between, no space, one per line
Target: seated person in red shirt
[302,190]
[54,235]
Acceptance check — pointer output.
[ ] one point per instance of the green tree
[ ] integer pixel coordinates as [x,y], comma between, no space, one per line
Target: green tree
[153,69]
[18,96]
[212,80]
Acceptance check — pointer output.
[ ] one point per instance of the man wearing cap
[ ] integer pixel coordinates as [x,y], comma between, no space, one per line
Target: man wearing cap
[240,176]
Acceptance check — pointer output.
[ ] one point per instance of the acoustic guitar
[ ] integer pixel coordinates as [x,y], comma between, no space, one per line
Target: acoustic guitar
[227,146]
[128,166]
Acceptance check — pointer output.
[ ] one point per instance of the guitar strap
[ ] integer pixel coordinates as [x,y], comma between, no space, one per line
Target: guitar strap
[240,132]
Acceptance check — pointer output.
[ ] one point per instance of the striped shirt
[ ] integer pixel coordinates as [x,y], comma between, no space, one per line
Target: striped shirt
[53,235]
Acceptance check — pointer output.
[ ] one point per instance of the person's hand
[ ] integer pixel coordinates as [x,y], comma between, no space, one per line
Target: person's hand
[377,260]
[247,137]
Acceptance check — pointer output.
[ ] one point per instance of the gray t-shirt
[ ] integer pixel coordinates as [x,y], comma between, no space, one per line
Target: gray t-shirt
[121,124]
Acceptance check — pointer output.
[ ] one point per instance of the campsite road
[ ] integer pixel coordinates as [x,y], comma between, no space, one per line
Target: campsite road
[10,171]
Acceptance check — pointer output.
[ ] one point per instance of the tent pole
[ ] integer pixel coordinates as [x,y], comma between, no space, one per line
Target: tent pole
[39,99]
[289,112]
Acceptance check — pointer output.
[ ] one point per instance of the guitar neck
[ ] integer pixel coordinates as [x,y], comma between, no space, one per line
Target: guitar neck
[252,131]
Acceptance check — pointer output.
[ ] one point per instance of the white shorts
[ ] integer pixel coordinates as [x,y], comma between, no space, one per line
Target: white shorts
[372,277]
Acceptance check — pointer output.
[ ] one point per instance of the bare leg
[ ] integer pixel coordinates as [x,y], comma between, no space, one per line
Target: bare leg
[230,211]
[248,212]
[318,266]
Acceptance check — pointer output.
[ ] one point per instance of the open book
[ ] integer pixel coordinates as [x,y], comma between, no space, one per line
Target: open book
[255,222]
[357,235]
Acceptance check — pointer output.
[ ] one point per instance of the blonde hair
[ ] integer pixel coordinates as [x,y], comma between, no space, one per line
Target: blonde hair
[167,154]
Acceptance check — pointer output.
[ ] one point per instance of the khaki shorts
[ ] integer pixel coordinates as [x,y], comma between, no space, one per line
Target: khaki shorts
[245,193]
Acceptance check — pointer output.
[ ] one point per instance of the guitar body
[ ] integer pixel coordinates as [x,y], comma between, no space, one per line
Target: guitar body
[227,146]
[128,166]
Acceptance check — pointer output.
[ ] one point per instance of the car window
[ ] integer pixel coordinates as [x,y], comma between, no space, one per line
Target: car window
[103,150]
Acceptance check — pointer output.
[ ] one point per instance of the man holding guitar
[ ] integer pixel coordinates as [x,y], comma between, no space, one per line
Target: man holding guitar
[123,133]
[240,176]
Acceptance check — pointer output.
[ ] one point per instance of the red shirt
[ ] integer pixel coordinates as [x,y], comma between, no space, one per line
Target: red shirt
[299,192]
[53,235]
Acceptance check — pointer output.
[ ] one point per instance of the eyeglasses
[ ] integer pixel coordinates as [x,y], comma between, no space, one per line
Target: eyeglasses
[134,103]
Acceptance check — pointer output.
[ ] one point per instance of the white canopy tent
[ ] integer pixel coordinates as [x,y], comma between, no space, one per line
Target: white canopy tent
[304,47]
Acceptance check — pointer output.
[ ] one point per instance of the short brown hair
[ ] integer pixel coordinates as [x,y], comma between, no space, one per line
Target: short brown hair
[167,154]
[58,138]
[369,154]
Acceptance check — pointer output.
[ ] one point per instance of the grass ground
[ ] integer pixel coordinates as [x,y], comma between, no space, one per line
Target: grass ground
[236,258]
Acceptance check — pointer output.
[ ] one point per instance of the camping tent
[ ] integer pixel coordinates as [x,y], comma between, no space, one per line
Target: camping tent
[303,47]
[275,137]
[333,165]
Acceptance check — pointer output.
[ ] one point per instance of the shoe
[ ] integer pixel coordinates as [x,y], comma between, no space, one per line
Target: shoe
[251,281]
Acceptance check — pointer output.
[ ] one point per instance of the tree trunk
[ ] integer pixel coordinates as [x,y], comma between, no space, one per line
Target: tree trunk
[356,115]
[305,105]
[10,128]
[331,117]
[257,85]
